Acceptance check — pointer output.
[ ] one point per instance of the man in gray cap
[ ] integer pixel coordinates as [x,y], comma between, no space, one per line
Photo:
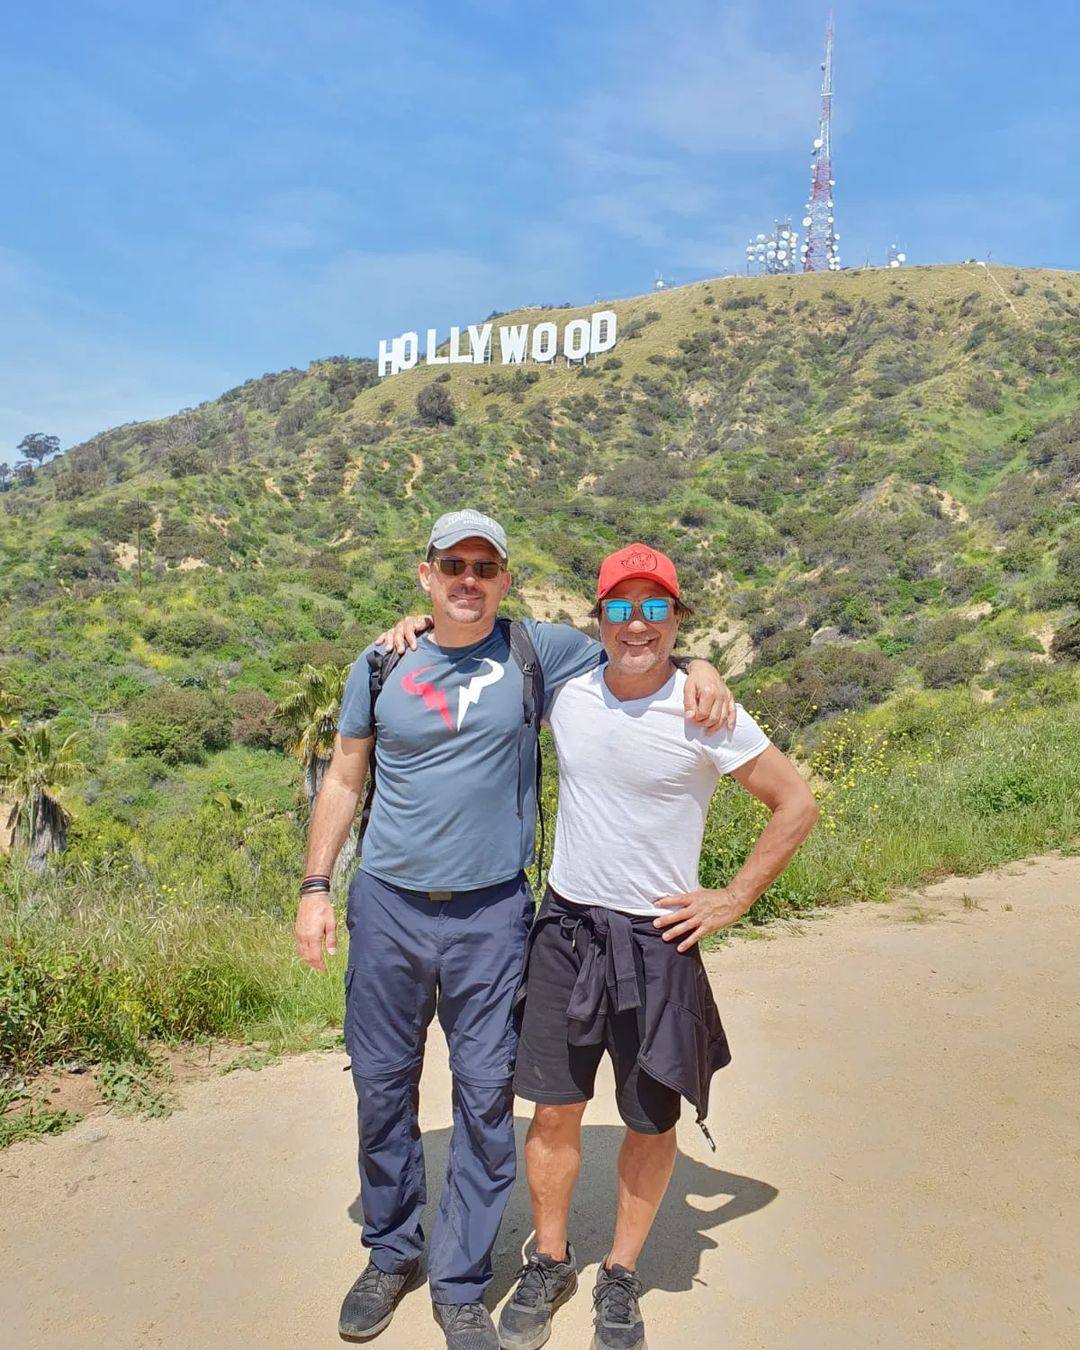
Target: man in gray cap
[439,912]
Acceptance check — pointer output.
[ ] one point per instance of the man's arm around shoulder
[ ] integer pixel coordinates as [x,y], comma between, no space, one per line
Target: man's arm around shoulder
[335,811]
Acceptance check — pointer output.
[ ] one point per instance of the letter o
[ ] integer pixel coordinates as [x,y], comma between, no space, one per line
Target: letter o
[577,336]
[545,342]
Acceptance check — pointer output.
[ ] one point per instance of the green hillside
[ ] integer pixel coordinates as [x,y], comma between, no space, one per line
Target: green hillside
[868,481]
[889,456]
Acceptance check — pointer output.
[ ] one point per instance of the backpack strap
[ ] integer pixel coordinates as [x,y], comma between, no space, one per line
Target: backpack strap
[532,686]
[380,664]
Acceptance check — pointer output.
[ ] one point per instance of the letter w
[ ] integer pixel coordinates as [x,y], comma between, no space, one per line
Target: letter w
[512,342]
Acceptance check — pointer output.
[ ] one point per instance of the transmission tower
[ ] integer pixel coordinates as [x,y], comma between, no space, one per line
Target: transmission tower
[773,253]
[819,250]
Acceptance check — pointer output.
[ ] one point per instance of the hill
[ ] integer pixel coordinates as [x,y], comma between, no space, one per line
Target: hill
[881,466]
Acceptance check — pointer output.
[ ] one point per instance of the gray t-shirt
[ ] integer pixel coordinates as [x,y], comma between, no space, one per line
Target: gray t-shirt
[455,804]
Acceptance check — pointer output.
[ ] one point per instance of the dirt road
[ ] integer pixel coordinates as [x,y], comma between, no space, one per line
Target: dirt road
[897,1167]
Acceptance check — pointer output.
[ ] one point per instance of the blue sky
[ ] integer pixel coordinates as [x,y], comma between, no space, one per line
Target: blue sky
[199,193]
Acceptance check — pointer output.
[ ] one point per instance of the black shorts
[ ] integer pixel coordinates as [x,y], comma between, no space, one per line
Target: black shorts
[553,1072]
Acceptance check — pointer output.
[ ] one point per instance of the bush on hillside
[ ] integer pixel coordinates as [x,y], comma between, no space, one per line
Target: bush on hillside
[178,725]
[782,646]
[328,578]
[1068,569]
[435,407]
[1066,643]
[649,478]
[184,460]
[253,720]
[187,632]
[823,680]
[953,664]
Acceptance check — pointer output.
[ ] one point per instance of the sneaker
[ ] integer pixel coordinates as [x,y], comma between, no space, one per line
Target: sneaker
[468,1326]
[543,1284]
[618,1321]
[370,1303]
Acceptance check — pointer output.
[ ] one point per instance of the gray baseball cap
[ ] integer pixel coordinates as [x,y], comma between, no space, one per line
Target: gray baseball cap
[455,526]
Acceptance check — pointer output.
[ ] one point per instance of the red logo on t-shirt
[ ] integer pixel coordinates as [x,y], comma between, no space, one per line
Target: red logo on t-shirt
[433,698]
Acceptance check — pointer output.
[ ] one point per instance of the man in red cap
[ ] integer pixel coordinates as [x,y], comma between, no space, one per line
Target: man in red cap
[613,961]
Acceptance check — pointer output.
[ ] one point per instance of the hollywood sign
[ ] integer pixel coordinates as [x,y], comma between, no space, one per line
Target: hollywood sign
[518,342]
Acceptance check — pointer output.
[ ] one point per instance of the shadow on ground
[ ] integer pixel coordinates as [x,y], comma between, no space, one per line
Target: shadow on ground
[694,1207]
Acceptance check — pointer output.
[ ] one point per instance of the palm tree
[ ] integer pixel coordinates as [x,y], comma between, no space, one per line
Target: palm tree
[31,767]
[309,714]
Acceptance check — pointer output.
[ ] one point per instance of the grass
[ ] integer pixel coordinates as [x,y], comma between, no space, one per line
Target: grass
[966,792]
[23,1117]
[102,966]
[135,1090]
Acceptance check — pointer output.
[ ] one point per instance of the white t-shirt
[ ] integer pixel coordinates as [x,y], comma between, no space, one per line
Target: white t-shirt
[635,781]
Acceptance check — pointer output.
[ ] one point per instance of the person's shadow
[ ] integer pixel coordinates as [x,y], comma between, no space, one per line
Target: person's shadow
[681,1234]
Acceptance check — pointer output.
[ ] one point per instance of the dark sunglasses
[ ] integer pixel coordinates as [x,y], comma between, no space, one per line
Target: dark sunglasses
[485,569]
[620,611]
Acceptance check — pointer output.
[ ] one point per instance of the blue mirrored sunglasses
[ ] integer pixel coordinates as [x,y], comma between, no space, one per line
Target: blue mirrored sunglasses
[620,611]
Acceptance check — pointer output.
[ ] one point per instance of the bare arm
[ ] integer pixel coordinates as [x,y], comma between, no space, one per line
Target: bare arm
[774,780]
[706,698]
[335,811]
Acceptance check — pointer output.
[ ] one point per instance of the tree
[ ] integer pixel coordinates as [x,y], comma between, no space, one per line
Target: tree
[32,766]
[5,476]
[39,447]
[435,406]
[309,715]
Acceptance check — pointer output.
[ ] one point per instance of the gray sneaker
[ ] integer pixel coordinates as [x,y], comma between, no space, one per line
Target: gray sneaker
[543,1284]
[618,1321]
[467,1326]
[370,1303]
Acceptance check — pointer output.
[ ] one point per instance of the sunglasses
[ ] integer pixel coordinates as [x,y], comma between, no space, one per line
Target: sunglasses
[484,570]
[620,611]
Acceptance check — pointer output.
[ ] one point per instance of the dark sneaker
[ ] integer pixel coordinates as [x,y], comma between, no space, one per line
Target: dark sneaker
[618,1321]
[370,1303]
[543,1284]
[468,1326]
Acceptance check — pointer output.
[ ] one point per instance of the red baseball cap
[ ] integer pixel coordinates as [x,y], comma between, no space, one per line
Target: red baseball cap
[637,560]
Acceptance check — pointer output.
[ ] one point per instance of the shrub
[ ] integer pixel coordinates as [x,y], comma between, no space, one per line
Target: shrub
[1068,568]
[782,646]
[954,664]
[188,632]
[435,407]
[1066,643]
[253,720]
[176,724]
[184,460]
[823,680]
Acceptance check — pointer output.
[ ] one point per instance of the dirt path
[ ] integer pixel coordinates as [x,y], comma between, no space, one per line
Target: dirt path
[897,1164]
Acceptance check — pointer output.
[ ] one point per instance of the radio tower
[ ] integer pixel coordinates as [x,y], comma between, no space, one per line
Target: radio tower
[819,251]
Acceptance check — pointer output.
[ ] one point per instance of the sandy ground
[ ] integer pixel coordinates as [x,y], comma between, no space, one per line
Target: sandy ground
[897,1167]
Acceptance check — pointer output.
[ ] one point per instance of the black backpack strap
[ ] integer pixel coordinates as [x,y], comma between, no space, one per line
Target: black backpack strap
[532,685]
[380,664]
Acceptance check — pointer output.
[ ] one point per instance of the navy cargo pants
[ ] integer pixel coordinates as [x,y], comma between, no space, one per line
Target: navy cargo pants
[409,955]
